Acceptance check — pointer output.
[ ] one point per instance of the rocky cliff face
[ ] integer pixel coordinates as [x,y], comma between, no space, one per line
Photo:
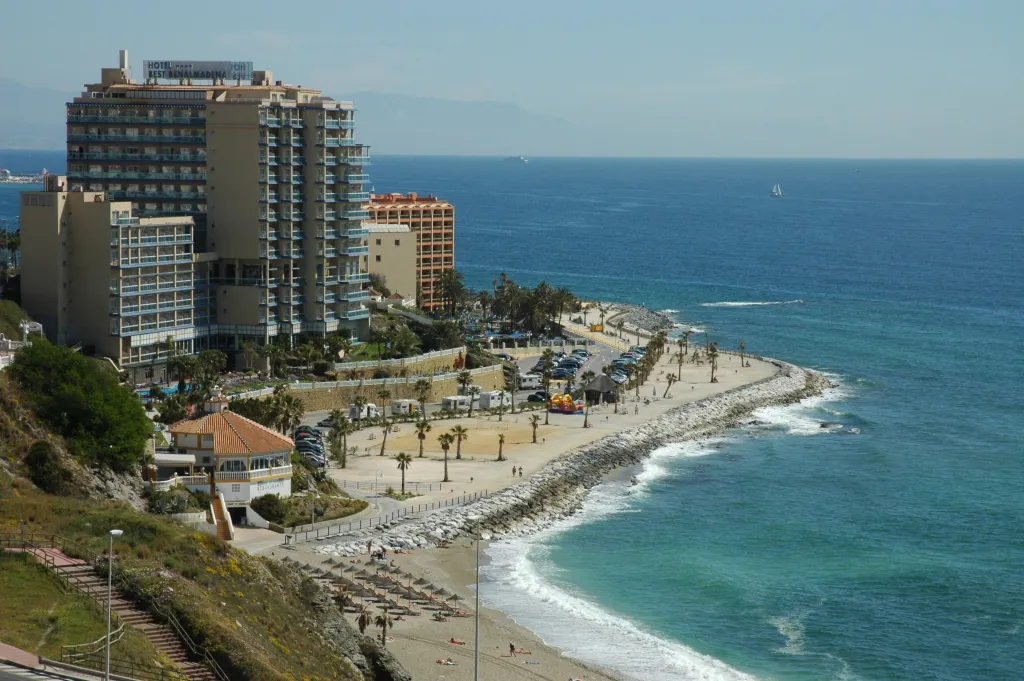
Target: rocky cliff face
[558,489]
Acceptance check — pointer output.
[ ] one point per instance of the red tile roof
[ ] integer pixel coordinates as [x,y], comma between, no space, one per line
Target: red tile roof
[234,434]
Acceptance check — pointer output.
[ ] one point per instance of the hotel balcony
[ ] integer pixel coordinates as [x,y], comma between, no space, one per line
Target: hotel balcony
[336,142]
[269,198]
[355,277]
[127,119]
[356,233]
[335,124]
[354,196]
[352,315]
[142,139]
[355,251]
[355,296]
[270,122]
[327,234]
[145,158]
[269,234]
[354,178]
[163,194]
[127,242]
[188,177]
[353,214]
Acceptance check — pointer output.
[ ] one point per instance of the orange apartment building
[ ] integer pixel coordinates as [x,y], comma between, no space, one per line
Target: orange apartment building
[433,222]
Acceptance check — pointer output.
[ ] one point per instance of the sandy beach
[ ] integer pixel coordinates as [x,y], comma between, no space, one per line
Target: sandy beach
[420,641]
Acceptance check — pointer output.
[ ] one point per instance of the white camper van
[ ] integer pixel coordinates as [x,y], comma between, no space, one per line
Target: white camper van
[455,402]
[530,381]
[368,411]
[405,408]
[491,399]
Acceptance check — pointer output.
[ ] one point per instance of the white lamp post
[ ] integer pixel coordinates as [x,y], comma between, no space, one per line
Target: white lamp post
[110,575]
[483,536]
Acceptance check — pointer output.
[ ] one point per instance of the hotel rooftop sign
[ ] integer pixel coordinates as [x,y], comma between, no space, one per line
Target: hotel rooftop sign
[197,70]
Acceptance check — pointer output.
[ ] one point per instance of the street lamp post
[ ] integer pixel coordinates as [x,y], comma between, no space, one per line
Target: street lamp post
[312,509]
[110,576]
[483,536]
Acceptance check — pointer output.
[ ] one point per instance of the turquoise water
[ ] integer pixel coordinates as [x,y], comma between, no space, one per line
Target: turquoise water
[779,551]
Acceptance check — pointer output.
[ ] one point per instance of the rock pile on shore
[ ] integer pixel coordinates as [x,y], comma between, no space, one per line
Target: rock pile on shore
[641,317]
[559,488]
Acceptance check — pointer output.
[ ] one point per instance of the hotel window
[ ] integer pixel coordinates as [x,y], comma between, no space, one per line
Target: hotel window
[236,488]
[378,242]
[397,242]
[378,258]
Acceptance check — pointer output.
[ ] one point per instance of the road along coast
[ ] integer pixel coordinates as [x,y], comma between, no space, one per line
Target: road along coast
[558,489]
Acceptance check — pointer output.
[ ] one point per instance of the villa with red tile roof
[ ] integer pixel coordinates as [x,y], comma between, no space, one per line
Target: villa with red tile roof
[247,459]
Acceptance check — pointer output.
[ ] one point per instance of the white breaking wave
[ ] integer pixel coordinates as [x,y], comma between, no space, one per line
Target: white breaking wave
[796,419]
[668,310]
[750,303]
[584,630]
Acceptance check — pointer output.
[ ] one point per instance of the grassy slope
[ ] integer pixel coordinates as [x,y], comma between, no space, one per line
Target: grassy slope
[10,317]
[253,614]
[37,616]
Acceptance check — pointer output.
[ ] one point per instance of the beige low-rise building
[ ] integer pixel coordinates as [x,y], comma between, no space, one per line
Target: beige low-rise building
[393,256]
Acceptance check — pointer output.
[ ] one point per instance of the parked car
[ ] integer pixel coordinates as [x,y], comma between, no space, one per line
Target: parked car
[307,429]
[536,398]
[563,373]
[325,423]
[506,357]
[309,444]
[639,349]
[619,378]
[582,353]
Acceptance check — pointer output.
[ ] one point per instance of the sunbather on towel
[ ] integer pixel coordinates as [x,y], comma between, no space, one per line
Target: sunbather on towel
[456,642]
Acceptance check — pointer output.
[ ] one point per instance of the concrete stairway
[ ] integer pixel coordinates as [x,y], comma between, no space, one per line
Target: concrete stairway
[221,520]
[162,636]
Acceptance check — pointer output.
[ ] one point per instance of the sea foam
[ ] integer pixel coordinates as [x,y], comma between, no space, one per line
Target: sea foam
[749,303]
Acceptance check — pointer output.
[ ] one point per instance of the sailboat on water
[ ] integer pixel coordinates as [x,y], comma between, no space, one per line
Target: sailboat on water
[777,190]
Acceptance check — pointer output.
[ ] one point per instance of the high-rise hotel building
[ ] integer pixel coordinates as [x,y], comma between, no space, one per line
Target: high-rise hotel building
[268,175]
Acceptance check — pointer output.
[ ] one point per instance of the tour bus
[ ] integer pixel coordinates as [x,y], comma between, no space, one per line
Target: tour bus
[491,399]
[405,408]
[368,411]
[530,381]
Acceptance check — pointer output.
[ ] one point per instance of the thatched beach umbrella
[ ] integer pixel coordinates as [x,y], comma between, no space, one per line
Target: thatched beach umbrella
[442,592]
[421,581]
[330,561]
[454,598]
[350,569]
[362,574]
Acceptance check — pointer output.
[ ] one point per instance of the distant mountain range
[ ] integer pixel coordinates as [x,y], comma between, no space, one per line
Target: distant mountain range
[33,118]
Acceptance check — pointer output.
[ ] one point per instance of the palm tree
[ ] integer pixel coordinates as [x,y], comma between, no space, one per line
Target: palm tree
[289,413]
[183,367]
[501,403]
[404,463]
[547,360]
[335,441]
[501,446]
[308,353]
[466,380]
[680,357]
[619,326]
[686,340]
[422,388]
[384,621]
[336,343]
[364,619]
[249,353]
[445,440]
[359,401]
[341,429]
[743,348]
[276,356]
[385,396]
[460,434]
[713,356]
[534,422]
[671,379]
[387,429]
[510,387]
[422,428]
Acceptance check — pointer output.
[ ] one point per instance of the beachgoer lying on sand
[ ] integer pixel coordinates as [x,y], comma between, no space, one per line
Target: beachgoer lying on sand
[520,651]
[456,641]
[447,663]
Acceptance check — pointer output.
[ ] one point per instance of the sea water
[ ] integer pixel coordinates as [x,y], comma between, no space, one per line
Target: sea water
[783,550]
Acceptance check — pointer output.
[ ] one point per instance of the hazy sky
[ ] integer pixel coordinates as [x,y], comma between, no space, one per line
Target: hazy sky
[713,78]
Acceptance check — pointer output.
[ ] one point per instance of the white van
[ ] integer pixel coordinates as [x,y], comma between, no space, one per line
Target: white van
[405,408]
[491,399]
[369,411]
[530,381]
[455,402]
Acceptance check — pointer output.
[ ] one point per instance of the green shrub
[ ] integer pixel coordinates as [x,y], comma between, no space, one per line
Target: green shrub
[321,367]
[270,507]
[103,422]
[46,469]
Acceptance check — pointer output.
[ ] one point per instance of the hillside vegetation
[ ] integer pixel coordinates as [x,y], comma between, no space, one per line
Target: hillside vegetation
[262,620]
[11,316]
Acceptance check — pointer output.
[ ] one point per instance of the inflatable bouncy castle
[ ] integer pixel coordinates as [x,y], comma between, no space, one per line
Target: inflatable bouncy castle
[564,404]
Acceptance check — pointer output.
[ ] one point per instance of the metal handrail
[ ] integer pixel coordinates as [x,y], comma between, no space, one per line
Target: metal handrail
[38,541]
[126,668]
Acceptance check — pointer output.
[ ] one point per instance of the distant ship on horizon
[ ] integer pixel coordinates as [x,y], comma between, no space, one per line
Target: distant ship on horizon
[517,159]
[777,190]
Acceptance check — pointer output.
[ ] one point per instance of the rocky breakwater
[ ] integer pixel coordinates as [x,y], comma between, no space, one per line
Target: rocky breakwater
[559,488]
[641,318]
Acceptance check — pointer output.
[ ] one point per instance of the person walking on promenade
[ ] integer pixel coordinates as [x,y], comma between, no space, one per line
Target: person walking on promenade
[636,410]
[520,471]
[513,471]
